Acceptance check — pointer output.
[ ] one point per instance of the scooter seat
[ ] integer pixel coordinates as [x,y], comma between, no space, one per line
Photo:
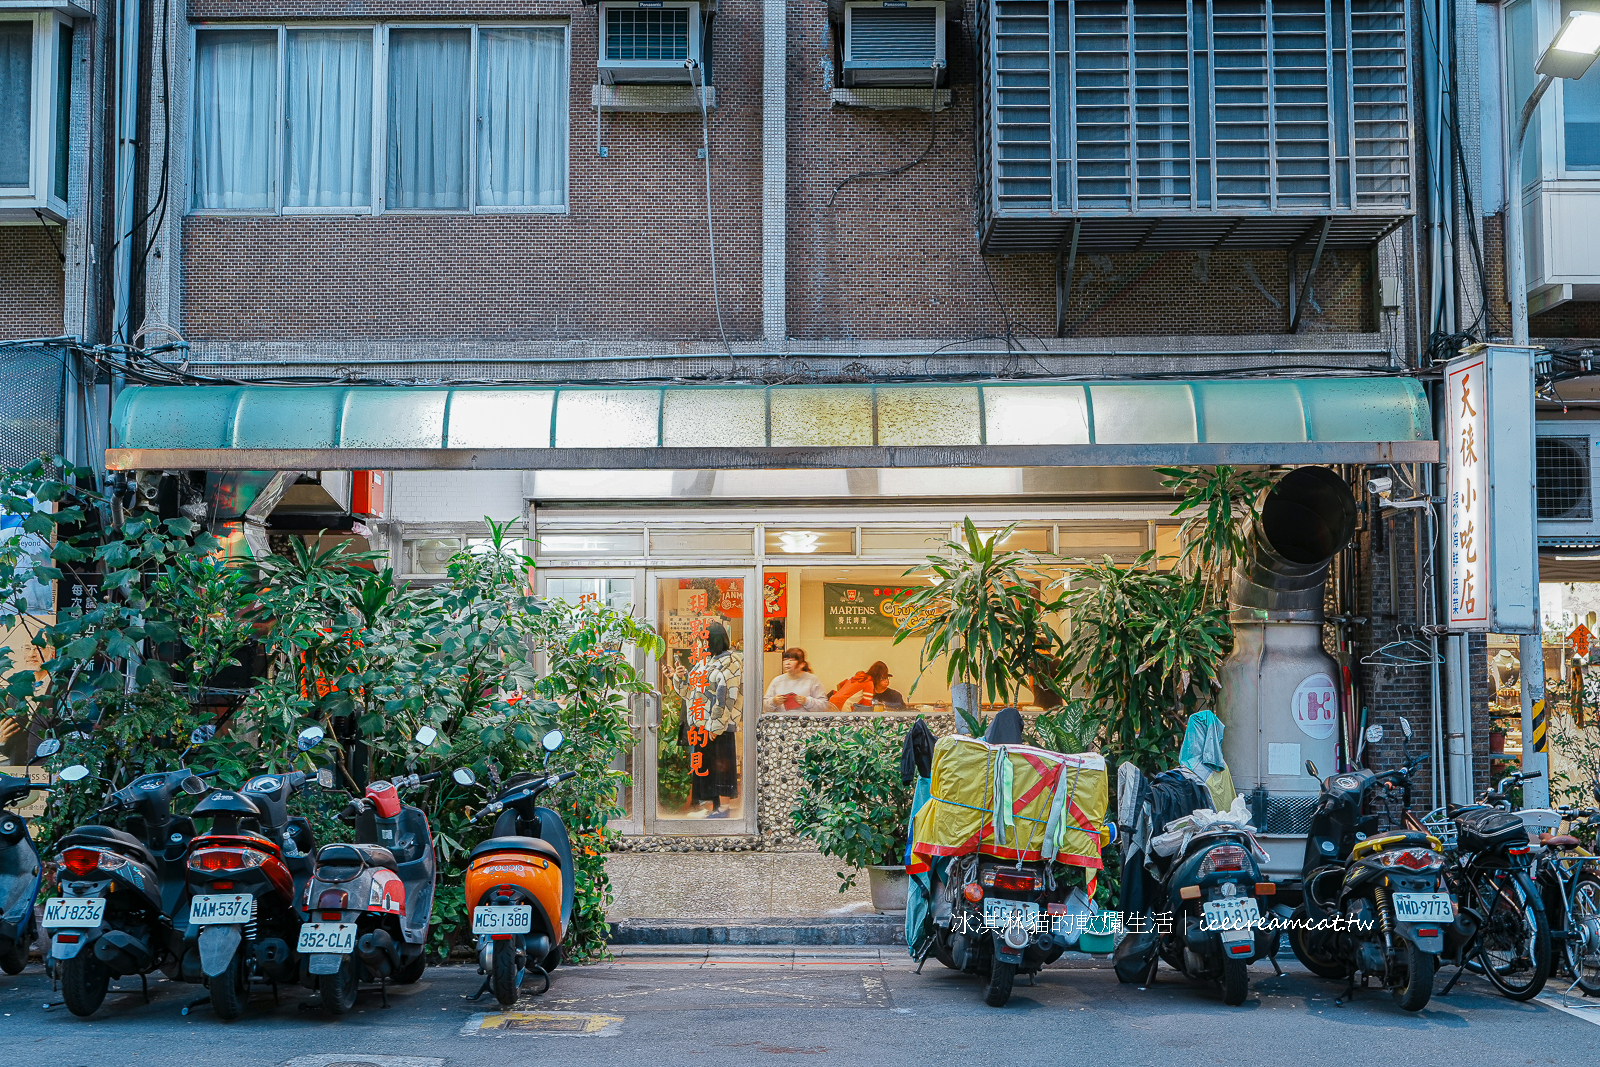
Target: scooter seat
[517,844]
[365,855]
[107,837]
[1558,841]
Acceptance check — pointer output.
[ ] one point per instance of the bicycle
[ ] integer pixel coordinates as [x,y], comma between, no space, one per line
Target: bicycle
[1568,877]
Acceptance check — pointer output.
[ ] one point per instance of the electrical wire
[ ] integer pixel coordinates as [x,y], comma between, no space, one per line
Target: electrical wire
[711,237]
[933,136]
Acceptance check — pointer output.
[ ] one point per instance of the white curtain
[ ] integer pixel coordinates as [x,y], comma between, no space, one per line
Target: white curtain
[16,101]
[429,106]
[328,137]
[235,93]
[522,117]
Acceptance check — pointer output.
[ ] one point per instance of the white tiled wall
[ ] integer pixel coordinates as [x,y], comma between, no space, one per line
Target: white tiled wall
[455,496]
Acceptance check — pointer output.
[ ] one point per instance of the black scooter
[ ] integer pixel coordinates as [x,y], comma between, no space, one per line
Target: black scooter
[20,870]
[1377,902]
[247,879]
[122,893]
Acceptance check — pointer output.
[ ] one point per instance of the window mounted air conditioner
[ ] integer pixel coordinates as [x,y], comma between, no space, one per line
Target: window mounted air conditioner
[649,41]
[893,42]
[1565,455]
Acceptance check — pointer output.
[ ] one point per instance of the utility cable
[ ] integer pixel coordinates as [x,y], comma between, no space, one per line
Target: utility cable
[711,236]
[933,134]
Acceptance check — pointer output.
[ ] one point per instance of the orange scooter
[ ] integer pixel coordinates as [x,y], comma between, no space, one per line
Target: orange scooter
[519,882]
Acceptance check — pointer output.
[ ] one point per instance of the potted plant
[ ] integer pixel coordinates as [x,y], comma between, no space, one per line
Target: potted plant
[987,616]
[853,804]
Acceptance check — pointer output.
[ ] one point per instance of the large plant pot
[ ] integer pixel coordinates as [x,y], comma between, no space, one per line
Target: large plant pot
[889,885]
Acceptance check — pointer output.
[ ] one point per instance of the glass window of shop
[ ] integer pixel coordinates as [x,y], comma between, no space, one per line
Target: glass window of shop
[699,740]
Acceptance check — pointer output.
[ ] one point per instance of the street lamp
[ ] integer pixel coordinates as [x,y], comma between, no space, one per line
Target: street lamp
[1569,56]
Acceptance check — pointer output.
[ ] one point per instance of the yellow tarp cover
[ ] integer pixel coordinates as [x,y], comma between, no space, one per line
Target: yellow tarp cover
[1047,805]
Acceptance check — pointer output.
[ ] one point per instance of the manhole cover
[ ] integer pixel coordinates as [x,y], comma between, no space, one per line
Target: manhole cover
[577,1024]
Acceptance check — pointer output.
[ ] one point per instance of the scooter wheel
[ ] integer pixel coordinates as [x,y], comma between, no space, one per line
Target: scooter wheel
[1235,982]
[998,989]
[339,989]
[230,990]
[1415,993]
[1314,948]
[412,971]
[505,978]
[84,981]
[15,958]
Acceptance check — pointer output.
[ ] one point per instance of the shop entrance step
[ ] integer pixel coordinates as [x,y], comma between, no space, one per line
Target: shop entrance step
[886,929]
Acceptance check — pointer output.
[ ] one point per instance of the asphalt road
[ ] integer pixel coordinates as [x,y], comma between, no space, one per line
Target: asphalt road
[839,1006]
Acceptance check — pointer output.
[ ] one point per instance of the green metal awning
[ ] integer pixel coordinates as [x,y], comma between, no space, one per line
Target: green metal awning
[998,424]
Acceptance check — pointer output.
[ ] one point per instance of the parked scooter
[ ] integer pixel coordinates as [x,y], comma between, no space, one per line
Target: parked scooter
[997,926]
[1211,889]
[368,905]
[20,869]
[1379,896]
[519,882]
[122,896]
[248,876]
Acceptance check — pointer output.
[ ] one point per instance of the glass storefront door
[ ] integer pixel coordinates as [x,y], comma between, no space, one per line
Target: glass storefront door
[700,738]
[620,591]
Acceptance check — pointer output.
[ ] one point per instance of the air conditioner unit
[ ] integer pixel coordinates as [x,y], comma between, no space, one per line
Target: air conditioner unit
[648,42]
[1565,462]
[893,43]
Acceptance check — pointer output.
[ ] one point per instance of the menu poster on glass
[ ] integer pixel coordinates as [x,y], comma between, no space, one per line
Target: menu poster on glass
[775,606]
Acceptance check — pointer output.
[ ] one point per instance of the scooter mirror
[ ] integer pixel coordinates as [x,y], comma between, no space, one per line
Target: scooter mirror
[47,748]
[1405,727]
[75,773]
[310,738]
[553,740]
[201,734]
[426,736]
[1311,769]
[194,785]
[325,777]
[1374,734]
[463,776]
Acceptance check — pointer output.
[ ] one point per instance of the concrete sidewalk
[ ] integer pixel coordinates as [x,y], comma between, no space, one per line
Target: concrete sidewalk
[731,885]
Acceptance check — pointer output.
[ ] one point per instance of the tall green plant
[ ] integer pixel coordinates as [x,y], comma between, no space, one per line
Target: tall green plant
[1219,502]
[852,802]
[986,615]
[1145,647]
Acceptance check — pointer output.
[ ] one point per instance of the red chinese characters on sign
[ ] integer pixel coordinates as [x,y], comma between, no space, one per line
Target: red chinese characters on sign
[1580,638]
[775,595]
[1466,455]
[730,596]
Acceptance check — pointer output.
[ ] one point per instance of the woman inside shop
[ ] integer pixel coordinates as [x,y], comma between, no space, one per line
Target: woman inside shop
[712,699]
[796,689]
[870,686]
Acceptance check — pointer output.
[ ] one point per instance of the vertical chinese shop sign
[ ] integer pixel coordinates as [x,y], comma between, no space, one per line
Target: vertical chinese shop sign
[1489,503]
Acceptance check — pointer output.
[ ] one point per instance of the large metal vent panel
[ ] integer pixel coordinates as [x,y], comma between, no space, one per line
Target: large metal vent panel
[1170,124]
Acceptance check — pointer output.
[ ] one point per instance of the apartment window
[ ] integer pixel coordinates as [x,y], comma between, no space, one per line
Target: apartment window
[35,112]
[1580,107]
[385,118]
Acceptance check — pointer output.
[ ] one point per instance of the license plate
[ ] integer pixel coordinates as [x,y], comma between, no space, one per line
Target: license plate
[1235,918]
[1423,907]
[502,919]
[220,909]
[1009,914]
[73,911]
[327,937]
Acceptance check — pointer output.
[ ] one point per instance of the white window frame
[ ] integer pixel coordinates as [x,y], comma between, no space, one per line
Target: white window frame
[39,194]
[380,117]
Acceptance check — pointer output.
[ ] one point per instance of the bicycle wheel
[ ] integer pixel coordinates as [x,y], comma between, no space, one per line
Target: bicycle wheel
[1514,945]
[1584,942]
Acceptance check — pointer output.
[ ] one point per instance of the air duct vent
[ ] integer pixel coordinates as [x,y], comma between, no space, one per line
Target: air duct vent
[893,43]
[649,42]
[1564,480]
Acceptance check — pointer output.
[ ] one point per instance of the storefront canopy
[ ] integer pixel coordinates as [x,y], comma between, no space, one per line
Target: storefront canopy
[251,427]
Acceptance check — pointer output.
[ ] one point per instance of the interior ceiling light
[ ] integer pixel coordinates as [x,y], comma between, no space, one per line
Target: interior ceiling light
[799,542]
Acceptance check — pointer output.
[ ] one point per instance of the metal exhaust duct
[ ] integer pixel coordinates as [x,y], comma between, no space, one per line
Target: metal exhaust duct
[1280,690]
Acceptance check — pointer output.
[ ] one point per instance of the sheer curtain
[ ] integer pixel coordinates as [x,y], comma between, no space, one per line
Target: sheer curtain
[235,94]
[429,104]
[328,139]
[522,117]
[16,100]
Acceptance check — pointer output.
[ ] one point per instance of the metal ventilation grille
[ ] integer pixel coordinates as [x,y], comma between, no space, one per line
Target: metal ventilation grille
[30,404]
[647,34]
[1564,485]
[904,36]
[1215,109]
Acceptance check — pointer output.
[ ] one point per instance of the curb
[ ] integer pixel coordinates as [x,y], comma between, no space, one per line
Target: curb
[843,930]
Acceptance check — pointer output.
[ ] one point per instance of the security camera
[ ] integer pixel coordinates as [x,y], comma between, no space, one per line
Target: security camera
[1380,486]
